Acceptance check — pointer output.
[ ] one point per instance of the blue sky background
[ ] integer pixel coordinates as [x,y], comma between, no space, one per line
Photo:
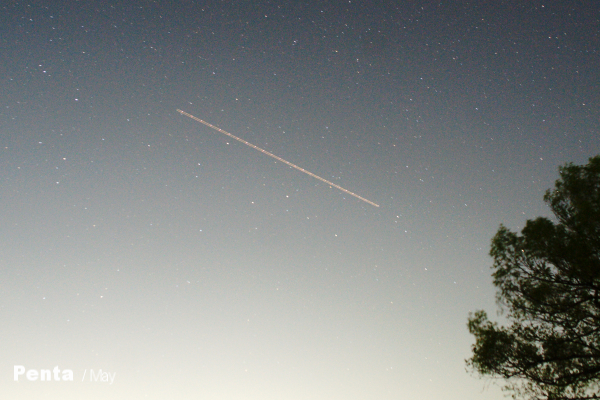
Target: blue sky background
[140,242]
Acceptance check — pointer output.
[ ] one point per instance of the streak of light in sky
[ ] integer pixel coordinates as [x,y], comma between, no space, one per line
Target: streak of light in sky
[277,158]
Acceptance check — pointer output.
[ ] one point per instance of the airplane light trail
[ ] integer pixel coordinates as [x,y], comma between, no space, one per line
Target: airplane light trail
[276,157]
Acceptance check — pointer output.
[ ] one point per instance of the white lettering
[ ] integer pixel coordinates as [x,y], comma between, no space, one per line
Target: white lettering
[32,375]
[102,376]
[45,375]
[19,370]
[94,377]
[67,375]
[56,374]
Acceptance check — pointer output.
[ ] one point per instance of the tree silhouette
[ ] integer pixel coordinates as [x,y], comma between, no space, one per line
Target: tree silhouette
[548,281]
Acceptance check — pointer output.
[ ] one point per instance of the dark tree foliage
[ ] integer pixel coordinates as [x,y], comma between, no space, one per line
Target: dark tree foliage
[548,281]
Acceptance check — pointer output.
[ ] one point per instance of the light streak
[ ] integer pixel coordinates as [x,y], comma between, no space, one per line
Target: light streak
[277,157]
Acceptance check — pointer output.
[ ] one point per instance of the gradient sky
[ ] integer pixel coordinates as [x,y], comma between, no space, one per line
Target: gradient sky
[140,242]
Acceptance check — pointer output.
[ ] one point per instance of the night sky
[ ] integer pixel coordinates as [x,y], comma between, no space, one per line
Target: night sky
[139,242]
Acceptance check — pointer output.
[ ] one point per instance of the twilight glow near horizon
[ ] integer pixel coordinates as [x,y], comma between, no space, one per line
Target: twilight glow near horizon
[156,258]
